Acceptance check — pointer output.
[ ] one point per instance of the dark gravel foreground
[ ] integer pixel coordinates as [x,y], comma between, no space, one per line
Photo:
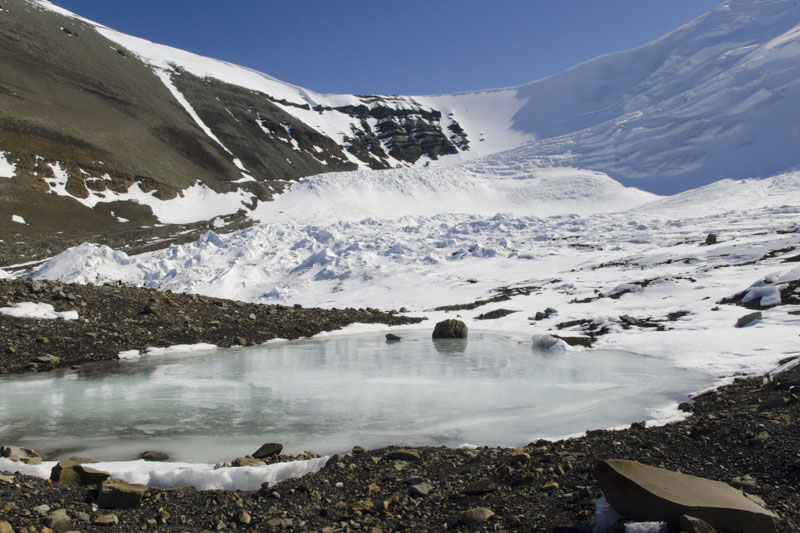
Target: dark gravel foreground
[746,434]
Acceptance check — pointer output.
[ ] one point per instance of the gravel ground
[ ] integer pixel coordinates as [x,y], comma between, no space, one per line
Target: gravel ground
[115,318]
[746,434]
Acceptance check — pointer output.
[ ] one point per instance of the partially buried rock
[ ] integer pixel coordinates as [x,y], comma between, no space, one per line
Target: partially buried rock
[691,524]
[646,493]
[59,520]
[748,319]
[154,456]
[711,239]
[118,494]
[420,490]
[450,329]
[106,520]
[479,487]
[268,450]
[403,455]
[476,515]
[391,337]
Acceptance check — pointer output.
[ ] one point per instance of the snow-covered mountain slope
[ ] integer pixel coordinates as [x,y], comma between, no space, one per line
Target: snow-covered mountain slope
[717,98]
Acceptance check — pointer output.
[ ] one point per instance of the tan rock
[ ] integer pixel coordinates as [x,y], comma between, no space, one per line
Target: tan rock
[118,494]
[5,527]
[647,493]
[248,461]
[73,474]
[476,515]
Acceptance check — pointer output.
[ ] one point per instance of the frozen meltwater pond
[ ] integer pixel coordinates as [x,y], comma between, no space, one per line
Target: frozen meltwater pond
[328,395]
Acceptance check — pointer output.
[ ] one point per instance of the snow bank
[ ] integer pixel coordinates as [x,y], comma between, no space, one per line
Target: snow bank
[7,170]
[37,310]
[199,475]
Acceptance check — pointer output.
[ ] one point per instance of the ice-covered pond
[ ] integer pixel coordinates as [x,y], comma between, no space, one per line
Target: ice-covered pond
[328,395]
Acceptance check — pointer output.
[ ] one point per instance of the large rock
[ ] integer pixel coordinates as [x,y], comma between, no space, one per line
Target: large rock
[268,450]
[450,329]
[74,474]
[19,454]
[646,493]
[118,494]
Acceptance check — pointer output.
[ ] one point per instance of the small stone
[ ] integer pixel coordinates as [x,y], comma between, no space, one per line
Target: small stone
[280,522]
[391,337]
[479,487]
[420,489]
[243,518]
[550,486]
[268,450]
[519,458]
[743,482]
[759,438]
[711,239]
[42,509]
[5,527]
[686,407]
[240,341]
[106,520]
[59,520]
[358,449]
[403,455]
[476,515]
[690,524]
[748,319]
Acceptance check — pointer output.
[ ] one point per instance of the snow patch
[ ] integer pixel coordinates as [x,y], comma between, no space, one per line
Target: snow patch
[7,170]
[37,310]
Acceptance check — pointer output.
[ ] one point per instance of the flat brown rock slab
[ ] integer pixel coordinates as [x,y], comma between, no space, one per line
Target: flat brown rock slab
[118,494]
[648,493]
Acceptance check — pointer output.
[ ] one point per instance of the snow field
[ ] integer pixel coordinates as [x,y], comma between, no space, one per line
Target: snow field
[652,257]
[37,310]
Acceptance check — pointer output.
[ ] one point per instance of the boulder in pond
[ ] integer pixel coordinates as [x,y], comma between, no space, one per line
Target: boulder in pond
[647,493]
[391,337]
[450,329]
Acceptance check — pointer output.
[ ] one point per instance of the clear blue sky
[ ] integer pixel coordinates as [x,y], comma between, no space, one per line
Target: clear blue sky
[402,47]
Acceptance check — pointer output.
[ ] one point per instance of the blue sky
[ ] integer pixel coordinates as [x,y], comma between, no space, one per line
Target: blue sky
[408,47]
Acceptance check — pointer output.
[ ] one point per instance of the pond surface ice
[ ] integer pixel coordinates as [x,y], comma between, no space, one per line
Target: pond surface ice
[328,395]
